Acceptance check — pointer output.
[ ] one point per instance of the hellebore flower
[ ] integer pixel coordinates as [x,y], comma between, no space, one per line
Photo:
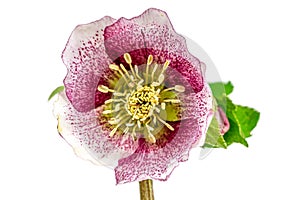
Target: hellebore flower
[135,98]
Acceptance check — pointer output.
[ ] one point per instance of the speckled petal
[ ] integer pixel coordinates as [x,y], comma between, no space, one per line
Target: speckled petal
[157,161]
[89,139]
[197,105]
[87,64]
[152,33]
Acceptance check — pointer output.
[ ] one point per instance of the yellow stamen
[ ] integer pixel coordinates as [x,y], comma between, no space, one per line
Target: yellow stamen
[137,72]
[129,124]
[128,60]
[117,107]
[160,80]
[153,71]
[149,61]
[117,68]
[114,67]
[149,127]
[116,119]
[133,132]
[151,138]
[168,89]
[166,64]
[140,82]
[157,109]
[113,131]
[179,88]
[114,100]
[104,89]
[157,91]
[126,108]
[126,130]
[119,115]
[165,123]
[150,113]
[169,126]
[105,112]
[143,119]
[155,84]
[113,121]
[116,128]
[154,119]
[108,101]
[125,70]
[118,94]
[134,114]
[141,102]
[172,100]
[163,105]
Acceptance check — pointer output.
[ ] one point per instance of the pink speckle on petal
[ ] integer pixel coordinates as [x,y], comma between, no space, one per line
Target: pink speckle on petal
[153,33]
[85,129]
[87,64]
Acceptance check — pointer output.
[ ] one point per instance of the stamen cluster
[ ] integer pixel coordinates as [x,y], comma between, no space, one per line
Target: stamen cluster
[136,108]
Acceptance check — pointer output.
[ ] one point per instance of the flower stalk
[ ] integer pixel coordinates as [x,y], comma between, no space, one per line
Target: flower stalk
[146,190]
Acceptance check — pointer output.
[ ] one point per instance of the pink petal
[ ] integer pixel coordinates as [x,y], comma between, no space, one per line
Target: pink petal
[157,161]
[152,33]
[84,132]
[87,64]
[199,106]
[223,120]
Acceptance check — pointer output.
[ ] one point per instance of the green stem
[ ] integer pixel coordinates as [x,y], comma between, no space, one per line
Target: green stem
[146,190]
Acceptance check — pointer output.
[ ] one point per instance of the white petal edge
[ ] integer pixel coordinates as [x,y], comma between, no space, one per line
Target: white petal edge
[65,130]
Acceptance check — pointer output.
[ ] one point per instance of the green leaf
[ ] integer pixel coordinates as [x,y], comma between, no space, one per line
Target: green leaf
[234,134]
[247,118]
[242,119]
[213,137]
[230,107]
[218,90]
[228,88]
[57,90]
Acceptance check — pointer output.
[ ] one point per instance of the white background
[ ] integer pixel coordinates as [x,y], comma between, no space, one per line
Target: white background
[255,44]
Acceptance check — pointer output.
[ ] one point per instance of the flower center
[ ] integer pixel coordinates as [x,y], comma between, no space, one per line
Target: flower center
[138,104]
[141,102]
